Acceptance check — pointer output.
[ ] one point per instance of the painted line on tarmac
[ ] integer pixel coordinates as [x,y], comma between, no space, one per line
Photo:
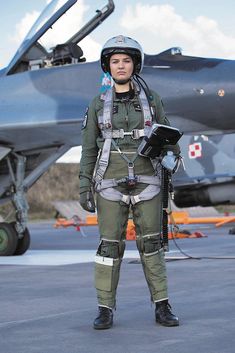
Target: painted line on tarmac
[59,257]
[44,317]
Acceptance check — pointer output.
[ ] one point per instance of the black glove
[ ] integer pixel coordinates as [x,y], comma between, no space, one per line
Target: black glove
[87,201]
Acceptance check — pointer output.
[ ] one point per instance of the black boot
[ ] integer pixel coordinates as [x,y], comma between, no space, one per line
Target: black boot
[164,315]
[104,319]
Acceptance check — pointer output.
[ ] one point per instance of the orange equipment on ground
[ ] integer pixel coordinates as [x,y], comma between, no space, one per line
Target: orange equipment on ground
[175,217]
[182,217]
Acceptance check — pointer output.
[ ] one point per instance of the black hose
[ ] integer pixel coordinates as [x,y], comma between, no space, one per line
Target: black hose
[165,196]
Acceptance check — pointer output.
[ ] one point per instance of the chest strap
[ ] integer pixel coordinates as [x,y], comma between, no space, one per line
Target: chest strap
[120,134]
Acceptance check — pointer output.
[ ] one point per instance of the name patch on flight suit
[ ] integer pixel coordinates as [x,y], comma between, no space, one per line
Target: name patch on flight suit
[84,123]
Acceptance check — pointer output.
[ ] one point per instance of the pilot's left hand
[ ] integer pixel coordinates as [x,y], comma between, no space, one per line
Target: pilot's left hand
[171,162]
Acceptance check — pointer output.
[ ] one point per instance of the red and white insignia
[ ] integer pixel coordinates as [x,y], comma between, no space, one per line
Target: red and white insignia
[195,150]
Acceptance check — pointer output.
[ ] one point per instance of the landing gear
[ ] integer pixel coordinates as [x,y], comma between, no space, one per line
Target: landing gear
[8,239]
[14,236]
[12,243]
[23,241]
[23,172]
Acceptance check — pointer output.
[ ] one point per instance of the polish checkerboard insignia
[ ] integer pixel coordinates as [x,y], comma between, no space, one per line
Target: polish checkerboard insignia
[195,150]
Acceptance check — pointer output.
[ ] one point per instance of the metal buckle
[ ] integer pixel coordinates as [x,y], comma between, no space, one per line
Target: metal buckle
[118,134]
[135,134]
[127,133]
[122,134]
[131,182]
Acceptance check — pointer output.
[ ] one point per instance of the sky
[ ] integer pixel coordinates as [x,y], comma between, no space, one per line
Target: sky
[198,27]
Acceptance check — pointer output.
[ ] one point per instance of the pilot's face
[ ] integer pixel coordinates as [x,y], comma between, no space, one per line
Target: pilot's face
[121,66]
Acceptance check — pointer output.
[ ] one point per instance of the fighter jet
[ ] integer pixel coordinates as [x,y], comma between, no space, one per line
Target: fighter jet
[45,90]
[208,178]
[43,96]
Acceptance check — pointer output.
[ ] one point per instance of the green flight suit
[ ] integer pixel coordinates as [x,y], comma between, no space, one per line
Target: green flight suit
[113,215]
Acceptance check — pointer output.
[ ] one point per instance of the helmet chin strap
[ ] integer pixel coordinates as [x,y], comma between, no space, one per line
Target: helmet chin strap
[121,82]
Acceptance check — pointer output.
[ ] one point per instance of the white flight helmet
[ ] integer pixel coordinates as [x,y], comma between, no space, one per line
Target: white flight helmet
[125,45]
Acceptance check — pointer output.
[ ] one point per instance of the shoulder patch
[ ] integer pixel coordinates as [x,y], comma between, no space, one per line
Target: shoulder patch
[84,123]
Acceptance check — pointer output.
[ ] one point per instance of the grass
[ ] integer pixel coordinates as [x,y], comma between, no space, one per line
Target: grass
[60,182]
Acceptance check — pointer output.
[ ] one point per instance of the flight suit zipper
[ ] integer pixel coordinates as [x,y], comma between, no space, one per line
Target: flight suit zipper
[126,114]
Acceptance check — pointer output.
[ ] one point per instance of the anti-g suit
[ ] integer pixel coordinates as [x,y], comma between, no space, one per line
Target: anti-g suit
[128,180]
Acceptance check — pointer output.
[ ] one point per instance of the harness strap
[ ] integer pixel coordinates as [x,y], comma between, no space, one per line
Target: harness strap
[106,188]
[123,155]
[111,183]
[103,161]
[146,111]
[120,134]
[107,110]
[107,125]
[112,194]
[148,193]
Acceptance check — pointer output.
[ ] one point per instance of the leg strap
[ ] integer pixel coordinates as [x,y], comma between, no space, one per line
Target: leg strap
[148,193]
[111,249]
[149,244]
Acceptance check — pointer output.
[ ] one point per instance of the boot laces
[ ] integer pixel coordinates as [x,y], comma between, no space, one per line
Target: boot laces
[105,312]
[167,308]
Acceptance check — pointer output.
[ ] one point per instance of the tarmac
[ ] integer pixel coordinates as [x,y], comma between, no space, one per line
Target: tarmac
[48,302]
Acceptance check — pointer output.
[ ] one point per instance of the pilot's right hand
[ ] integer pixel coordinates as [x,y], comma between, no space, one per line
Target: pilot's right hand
[87,200]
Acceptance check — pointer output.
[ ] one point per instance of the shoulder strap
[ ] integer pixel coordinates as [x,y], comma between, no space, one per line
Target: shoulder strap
[145,108]
[105,124]
[105,120]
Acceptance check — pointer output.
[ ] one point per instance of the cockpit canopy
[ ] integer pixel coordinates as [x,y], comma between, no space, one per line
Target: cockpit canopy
[53,39]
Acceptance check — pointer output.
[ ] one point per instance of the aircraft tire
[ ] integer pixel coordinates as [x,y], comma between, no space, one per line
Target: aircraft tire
[22,243]
[8,239]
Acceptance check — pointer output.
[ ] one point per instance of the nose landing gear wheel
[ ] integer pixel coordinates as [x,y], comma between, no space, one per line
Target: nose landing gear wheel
[8,239]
